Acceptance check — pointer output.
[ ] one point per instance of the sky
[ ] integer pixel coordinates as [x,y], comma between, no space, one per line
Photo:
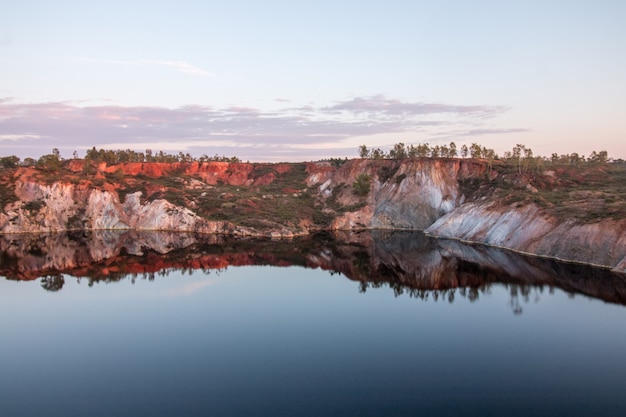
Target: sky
[297,81]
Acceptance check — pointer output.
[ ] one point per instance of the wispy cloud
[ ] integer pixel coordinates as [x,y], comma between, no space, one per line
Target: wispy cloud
[249,133]
[180,66]
[481,132]
[381,105]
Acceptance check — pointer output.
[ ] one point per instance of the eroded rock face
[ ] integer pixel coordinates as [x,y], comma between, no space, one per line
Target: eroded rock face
[407,194]
[527,229]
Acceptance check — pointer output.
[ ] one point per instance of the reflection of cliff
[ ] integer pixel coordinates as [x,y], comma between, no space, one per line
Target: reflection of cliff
[406,261]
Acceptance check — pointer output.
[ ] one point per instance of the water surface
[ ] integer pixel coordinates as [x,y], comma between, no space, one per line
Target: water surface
[369,324]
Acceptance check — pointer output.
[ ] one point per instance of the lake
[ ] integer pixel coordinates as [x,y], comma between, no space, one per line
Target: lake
[353,324]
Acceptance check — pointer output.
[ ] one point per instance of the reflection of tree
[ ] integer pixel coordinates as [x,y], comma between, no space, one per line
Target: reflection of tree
[519,293]
[52,282]
[522,293]
[361,262]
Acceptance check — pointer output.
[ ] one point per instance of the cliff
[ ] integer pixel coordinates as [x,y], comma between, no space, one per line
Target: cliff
[572,215]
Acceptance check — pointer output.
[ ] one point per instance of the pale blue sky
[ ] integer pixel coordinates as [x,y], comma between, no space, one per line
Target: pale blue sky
[285,80]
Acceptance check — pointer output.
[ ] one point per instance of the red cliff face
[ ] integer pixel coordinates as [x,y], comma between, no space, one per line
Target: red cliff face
[212,173]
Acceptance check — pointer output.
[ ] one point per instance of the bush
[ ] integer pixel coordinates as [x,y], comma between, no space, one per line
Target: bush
[34,206]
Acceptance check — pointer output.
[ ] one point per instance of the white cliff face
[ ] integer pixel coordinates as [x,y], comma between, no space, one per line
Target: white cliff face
[163,215]
[408,194]
[526,229]
[56,207]
[419,193]
[103,211]
[42,208]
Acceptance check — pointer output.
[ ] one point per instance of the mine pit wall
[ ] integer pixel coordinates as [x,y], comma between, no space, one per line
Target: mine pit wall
[414,194]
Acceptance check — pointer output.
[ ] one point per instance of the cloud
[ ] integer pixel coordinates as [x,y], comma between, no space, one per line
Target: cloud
[250,133]
[381,105]
[480,132]
[180,66]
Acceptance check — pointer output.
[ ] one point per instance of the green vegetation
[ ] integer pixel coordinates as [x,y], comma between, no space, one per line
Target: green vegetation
[520,156]
[362,185]
[586,192]
[34,206]
[7,193]
[385,173]
[124,156]
[9,161]
[423,150]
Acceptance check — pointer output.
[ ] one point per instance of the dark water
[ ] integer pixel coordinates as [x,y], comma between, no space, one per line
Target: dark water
[361,324]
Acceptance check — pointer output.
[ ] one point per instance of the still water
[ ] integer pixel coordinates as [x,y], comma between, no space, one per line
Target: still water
[366,326]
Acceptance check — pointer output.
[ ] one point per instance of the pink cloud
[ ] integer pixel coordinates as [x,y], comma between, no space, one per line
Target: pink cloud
[40,127]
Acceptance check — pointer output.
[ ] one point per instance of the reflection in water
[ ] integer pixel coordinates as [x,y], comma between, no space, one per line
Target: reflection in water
[407,262]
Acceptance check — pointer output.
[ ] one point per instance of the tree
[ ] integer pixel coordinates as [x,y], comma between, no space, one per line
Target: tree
[377,154]
[398,151]
[601,157]
[9,161]
[29,162]
[554,158]
[475,150]
[464,151]
[50,162]
[362,185]
[452,150]
[423,150]
[92,154]
[517,156]
[52,282]
[363,152]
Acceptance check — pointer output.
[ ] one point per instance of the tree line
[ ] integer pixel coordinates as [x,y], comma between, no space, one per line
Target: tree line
[521,156]
[53,160]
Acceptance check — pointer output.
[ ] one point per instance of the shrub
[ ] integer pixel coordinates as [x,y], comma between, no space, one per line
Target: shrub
[362,185]
[34,206]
